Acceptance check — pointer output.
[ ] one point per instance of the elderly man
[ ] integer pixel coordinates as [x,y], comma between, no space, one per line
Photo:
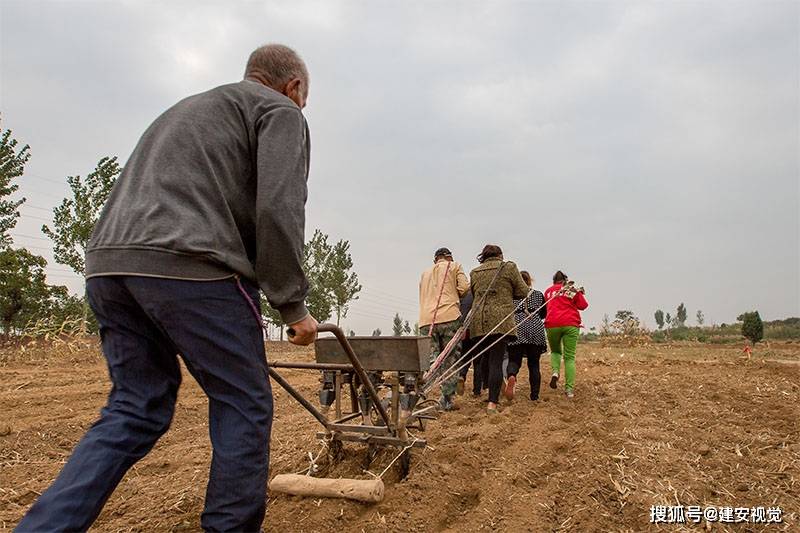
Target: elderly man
[209,209]
[440,288]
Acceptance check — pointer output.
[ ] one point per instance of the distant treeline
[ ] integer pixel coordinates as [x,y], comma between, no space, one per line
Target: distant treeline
[627,327]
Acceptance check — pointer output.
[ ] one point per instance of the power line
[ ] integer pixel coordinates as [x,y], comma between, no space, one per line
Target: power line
[54,269]
[384,300]
[37,191]
[379,309]
[37,218]
[29,236]
[384,303]
[26,204]
[28,174]
[368,315]
[386,295]
[38,247]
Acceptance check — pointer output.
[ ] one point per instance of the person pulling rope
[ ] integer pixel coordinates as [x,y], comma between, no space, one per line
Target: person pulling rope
[440,289]
[568,290]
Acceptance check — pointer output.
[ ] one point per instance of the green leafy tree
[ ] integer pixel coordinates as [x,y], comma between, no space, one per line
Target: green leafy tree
[406,328]
[397,325]
[24,292]
[623,315]
[74,219]
[70,307]
[376,332]
[342,281]
[752,326]
[12,165]
[659,318]
[680,315]
[318,301]
[416,329]
[332,284]
[668,320]
[700,318]
[626,323]
[316,265]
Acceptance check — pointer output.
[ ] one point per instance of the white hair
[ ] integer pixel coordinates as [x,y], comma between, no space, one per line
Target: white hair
[278,64]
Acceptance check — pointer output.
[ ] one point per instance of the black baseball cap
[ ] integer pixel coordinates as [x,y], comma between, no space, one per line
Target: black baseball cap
[443,252]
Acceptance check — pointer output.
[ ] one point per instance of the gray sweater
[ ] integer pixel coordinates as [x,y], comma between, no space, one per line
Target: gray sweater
[215,187]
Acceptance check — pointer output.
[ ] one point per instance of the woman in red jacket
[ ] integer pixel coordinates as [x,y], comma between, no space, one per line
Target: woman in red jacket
[562,323]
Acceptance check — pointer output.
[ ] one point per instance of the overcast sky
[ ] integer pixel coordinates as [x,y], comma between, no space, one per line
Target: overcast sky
[649,150]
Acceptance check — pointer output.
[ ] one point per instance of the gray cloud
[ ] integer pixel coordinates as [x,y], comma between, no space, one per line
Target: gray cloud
[650,150]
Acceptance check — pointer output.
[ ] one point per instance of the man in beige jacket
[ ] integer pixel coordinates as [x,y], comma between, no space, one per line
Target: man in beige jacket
[440,290]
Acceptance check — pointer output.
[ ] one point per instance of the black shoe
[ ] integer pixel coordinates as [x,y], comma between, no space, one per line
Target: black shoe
[554,381]
[534,398]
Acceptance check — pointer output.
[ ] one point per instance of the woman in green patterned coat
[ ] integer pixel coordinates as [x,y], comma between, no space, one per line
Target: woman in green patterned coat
[497,306]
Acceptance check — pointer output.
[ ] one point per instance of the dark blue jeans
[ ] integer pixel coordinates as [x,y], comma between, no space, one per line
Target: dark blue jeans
[144,324]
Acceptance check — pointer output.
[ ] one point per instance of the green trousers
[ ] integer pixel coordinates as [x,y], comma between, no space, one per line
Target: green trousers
[563,341]
[442,334]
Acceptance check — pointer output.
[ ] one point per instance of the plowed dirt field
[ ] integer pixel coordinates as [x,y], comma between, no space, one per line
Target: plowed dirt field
[668,425]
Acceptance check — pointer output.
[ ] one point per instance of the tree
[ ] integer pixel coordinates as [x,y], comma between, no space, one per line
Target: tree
[69,307]
[605,326]
[397,325]
[624,315]
[626,323]
[12,165]
[752,326]
[75,218]
[668,321]
[24,292]
[343,283]
[332,283]
[315,265]
[680,315]
[416,329]
[406,328]
[376,333]
[659,318]
[700,318]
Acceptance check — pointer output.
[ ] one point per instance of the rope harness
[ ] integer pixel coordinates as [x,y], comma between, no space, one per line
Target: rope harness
[460,332]
[438,300]
[568,290]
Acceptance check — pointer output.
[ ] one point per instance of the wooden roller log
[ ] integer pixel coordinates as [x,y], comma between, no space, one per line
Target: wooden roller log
[365,490]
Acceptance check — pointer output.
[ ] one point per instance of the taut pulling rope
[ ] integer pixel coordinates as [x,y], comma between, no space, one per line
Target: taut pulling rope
[460,332]
[567,289]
